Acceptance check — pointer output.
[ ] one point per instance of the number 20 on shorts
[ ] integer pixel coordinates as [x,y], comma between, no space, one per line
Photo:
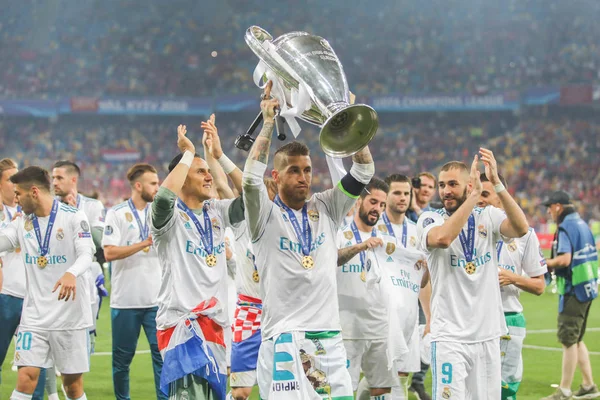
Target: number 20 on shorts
[24,341]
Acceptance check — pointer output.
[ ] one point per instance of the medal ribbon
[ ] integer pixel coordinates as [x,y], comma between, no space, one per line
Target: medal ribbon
[78,200]
[10,217]
[359,241]
[499,247]
[206,235]
[304,233]
[45,245]
[390,228]
[144,229]
[468,242]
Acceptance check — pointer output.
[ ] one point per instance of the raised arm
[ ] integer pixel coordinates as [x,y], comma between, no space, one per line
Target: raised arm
[515,225]
[443,235]
[176,178]
[219,164]
[255,192]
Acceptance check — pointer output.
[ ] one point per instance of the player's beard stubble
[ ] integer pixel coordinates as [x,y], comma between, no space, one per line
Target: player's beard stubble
[147,196]
[364,216]
[459,201]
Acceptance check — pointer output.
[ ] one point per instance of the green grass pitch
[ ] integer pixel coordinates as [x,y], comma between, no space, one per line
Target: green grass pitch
[542,366]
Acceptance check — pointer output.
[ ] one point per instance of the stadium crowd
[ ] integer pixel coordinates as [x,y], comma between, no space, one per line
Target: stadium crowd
[109,48]
[539,154]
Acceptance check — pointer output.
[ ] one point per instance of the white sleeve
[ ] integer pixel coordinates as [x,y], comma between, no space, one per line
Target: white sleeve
[336,202]
[222,208]
[258,206]
[96,217]
[533,262]
[427,221]
[9,236]
[112,230]
[497,216]
[84,246]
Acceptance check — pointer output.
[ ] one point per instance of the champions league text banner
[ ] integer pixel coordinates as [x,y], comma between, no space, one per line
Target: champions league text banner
[202,106]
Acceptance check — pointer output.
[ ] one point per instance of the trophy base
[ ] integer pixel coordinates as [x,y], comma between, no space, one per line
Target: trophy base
[348,130]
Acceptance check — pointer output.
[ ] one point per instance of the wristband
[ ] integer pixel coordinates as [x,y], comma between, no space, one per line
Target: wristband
[227,165]
[187,158]
[499,188]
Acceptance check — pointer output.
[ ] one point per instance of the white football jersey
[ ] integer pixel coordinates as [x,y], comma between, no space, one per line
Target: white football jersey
[409,241]
[70,237]
[295,298]
[520,255]
[399,272]
[13,268]
[187,280]
[93,209]
[363,312]
[135,280]
[246,269]
[465,307]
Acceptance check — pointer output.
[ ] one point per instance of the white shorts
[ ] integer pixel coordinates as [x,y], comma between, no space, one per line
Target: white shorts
[242,379]
[317,365]
[371,357]
[67,350]
[466,371]
[411,361]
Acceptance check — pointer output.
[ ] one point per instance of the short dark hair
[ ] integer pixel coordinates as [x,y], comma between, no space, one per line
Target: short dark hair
[455,165]
[136,171]
[397,178]
[70,166]
[176,160]
[374,184]
[484,178]
[6,164]
[290,150]
[32,176]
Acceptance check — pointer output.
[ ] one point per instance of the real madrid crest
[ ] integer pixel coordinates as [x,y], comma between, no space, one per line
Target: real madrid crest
[129,217]
[413,241]
[446,394]
[28,224]
[313,215]
[348,235]
[2,216]
[482,231]
[215,224]
[511,246]
[390,248]
[60,234]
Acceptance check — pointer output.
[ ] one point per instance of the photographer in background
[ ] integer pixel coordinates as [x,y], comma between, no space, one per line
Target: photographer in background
[424,186]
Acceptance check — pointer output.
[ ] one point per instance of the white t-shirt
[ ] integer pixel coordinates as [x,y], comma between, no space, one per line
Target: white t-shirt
[465,308]
[363,312]
[186,278]
[12,262]
[399,272]
[135,280]
[295,298]
[245,264]
[521,255]
[93,209]
[398,231]
[70,237]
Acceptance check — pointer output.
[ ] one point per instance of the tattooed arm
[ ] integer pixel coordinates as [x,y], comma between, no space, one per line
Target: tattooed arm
[256,198]
[347,253]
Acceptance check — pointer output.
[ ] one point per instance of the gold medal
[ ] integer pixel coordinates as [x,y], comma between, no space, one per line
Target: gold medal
[146,249]
[470,268]
[255,277]
[211,260]
[363,275]
[42,261]
[308,262]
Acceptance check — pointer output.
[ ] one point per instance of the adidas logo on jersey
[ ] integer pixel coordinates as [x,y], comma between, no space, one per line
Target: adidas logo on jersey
[188,226]
[28,235]
[131,227]
[390,259]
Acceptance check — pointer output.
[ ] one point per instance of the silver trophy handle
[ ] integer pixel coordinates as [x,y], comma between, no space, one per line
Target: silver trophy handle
[255,37]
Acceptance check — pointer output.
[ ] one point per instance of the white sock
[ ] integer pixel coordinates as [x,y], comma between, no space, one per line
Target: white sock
[20,396]
[81,398]
[566,392]
[362,393]
[53,396]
